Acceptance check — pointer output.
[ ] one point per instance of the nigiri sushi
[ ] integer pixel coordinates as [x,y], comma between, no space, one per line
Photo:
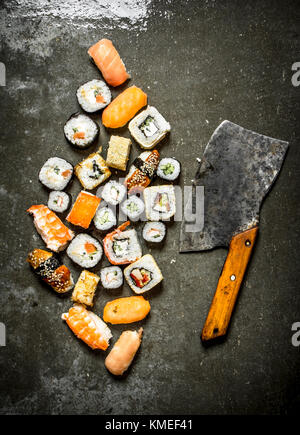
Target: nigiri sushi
[126,310]
[124,107]
[109,62]
[54,233]
[84,209]
[142,171]
[50,270]
[123,352]
[88,327]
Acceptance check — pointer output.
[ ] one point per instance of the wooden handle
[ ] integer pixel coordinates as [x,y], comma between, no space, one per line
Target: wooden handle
[230,281]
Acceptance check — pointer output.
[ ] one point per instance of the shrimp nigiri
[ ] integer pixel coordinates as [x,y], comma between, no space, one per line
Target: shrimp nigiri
[88,327]
[123,352]
[54,233]
[124,107]
[109,62]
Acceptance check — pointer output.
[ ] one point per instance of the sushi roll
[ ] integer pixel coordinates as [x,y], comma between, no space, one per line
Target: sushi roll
[143,274]
[142,171]
[113,192]
[58,201]
[122,246]
[108,60]
[85,288]
[160,202]
[80,130]
[54,233]
[93,95]
[92,171]
[104,219]
[168,169]
[154,232]
[85,251]
[88,327]
[149,127]
[84,209]
[133,207]
[50,270]
[111,277]
[56,173]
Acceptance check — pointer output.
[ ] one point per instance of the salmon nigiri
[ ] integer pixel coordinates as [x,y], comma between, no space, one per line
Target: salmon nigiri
[109,62]
[54,233]
[88,327]
[126,310]
[124,107]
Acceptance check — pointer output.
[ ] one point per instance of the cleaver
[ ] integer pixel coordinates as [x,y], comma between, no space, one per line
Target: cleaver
[237,170]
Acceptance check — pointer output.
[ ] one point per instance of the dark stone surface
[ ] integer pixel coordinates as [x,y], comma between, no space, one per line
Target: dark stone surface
[200,62]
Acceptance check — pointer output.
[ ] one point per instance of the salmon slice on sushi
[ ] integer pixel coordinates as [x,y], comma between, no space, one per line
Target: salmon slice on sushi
[88,327]
[54,233]
[124,107]
[122,246]
[47,266]
[109,62]
[84,209]
[126,310]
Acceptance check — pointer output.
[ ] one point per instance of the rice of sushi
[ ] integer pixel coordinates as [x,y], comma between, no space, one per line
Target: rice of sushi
[56,173]
[104,218]
[80,130]
[113,192]
[149,127]
[154,232]
[58,201]
[85,250]
[111,277]
[93,95]
[143,274]
[133,207]
[168,169]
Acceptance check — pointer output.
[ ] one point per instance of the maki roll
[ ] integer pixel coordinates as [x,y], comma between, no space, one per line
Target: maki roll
[133,207]
[84,209]
[111,277]
[93,95]
[149,127]
[58,201]
[160,202]
[92,171]
[122,247]
[80,130]
[142,171]
[113,192]
[143,274]
[168,169]
[85,251]
[56,173]
[104,219]
[154,232]
[47,266]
